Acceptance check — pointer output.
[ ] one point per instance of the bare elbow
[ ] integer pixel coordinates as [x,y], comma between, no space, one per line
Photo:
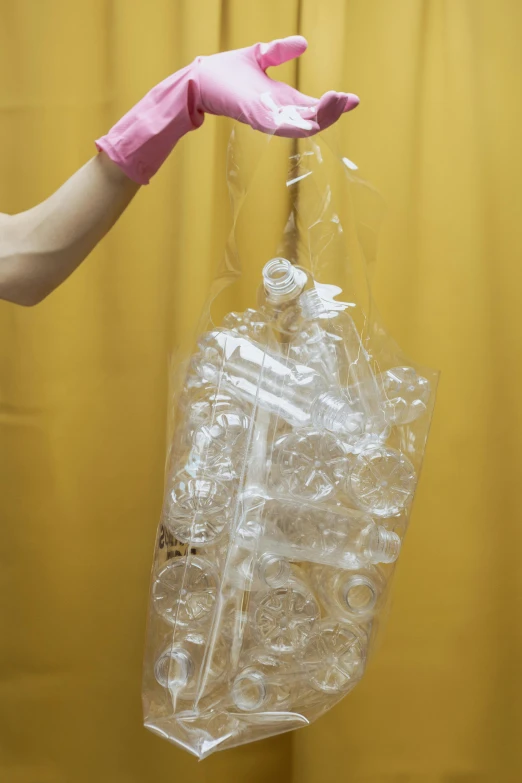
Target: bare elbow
[19,292]
[27,299]
[21,280]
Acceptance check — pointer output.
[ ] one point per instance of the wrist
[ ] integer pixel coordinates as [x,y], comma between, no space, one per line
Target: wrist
[112,170]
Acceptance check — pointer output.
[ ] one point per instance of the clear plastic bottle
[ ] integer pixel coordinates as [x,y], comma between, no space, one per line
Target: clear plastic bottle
[251,571]
[406,394]
[178,668]
[267,683]
[381,481]
[197,509]
[278,296]
[184,591]
[314,346]
[335,656]
[219,447]
[308,532]
[225,468]
[349,595]
[297,393]
[328,341]
[199,401]
[309,464]
[283,617]
[251,324]
[205,402]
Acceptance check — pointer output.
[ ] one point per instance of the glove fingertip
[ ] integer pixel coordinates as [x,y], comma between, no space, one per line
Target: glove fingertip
[297,42]
[331,105]
[281,50]
[352,101]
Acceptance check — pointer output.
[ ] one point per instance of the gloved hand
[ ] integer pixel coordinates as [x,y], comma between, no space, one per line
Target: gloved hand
[232,84]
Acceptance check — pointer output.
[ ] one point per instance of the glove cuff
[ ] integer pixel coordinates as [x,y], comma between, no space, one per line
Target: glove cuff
[142,140]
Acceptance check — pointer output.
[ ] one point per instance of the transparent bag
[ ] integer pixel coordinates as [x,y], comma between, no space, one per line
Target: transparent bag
[296,441]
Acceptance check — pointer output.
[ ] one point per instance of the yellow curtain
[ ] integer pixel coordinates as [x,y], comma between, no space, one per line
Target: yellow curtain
[83,383]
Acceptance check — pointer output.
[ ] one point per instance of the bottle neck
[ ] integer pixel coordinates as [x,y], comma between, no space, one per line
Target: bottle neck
[333,412]
[249,691]
[282,281]
[273,570]
[358,594]
[312,306]
[174,669]
[382,546]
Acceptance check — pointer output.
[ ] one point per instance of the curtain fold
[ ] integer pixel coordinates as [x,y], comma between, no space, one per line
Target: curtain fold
[83,382]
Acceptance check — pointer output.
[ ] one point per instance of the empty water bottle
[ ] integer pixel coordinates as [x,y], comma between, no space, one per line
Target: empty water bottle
[179,666]
[251,324]
[219,447]
[252,570]
[283,283]
[184,591]
[406,394]
[335,655]
[322,534]
[309,464]
[201,404]
[381,481]
[266,683]
[329,342]
[283,617]
[197,509]
[349,595]
[295,392]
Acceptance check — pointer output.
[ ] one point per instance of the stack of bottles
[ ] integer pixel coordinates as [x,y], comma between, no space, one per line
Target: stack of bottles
[285,500]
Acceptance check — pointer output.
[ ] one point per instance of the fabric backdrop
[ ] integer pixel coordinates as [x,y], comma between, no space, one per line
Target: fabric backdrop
[83,383]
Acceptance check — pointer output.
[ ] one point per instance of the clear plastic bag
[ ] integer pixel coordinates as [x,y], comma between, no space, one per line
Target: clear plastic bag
[296,440]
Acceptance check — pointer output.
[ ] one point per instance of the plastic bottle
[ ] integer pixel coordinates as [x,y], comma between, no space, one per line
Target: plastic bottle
[179,667]
[381,481]
[266,683]
[328,341]
[406,395]
[251,571]
[313,533]
[184,591]
[197,509]
[309,464]
[325,338]
[205,402]
[278,296]
[219,447]
[349,595]
[283,617]
[335,655]
[297,393]
[212,430]
[251,324]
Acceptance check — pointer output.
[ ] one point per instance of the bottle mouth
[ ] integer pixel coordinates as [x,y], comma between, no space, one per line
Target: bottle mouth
[274,570]
[359,594]
[282,280]
[249,691]
[174,668]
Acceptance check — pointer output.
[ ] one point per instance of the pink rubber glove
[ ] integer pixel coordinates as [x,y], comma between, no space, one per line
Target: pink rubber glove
[232,84]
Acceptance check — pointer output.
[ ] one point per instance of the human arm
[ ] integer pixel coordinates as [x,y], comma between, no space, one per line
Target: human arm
[41,247]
